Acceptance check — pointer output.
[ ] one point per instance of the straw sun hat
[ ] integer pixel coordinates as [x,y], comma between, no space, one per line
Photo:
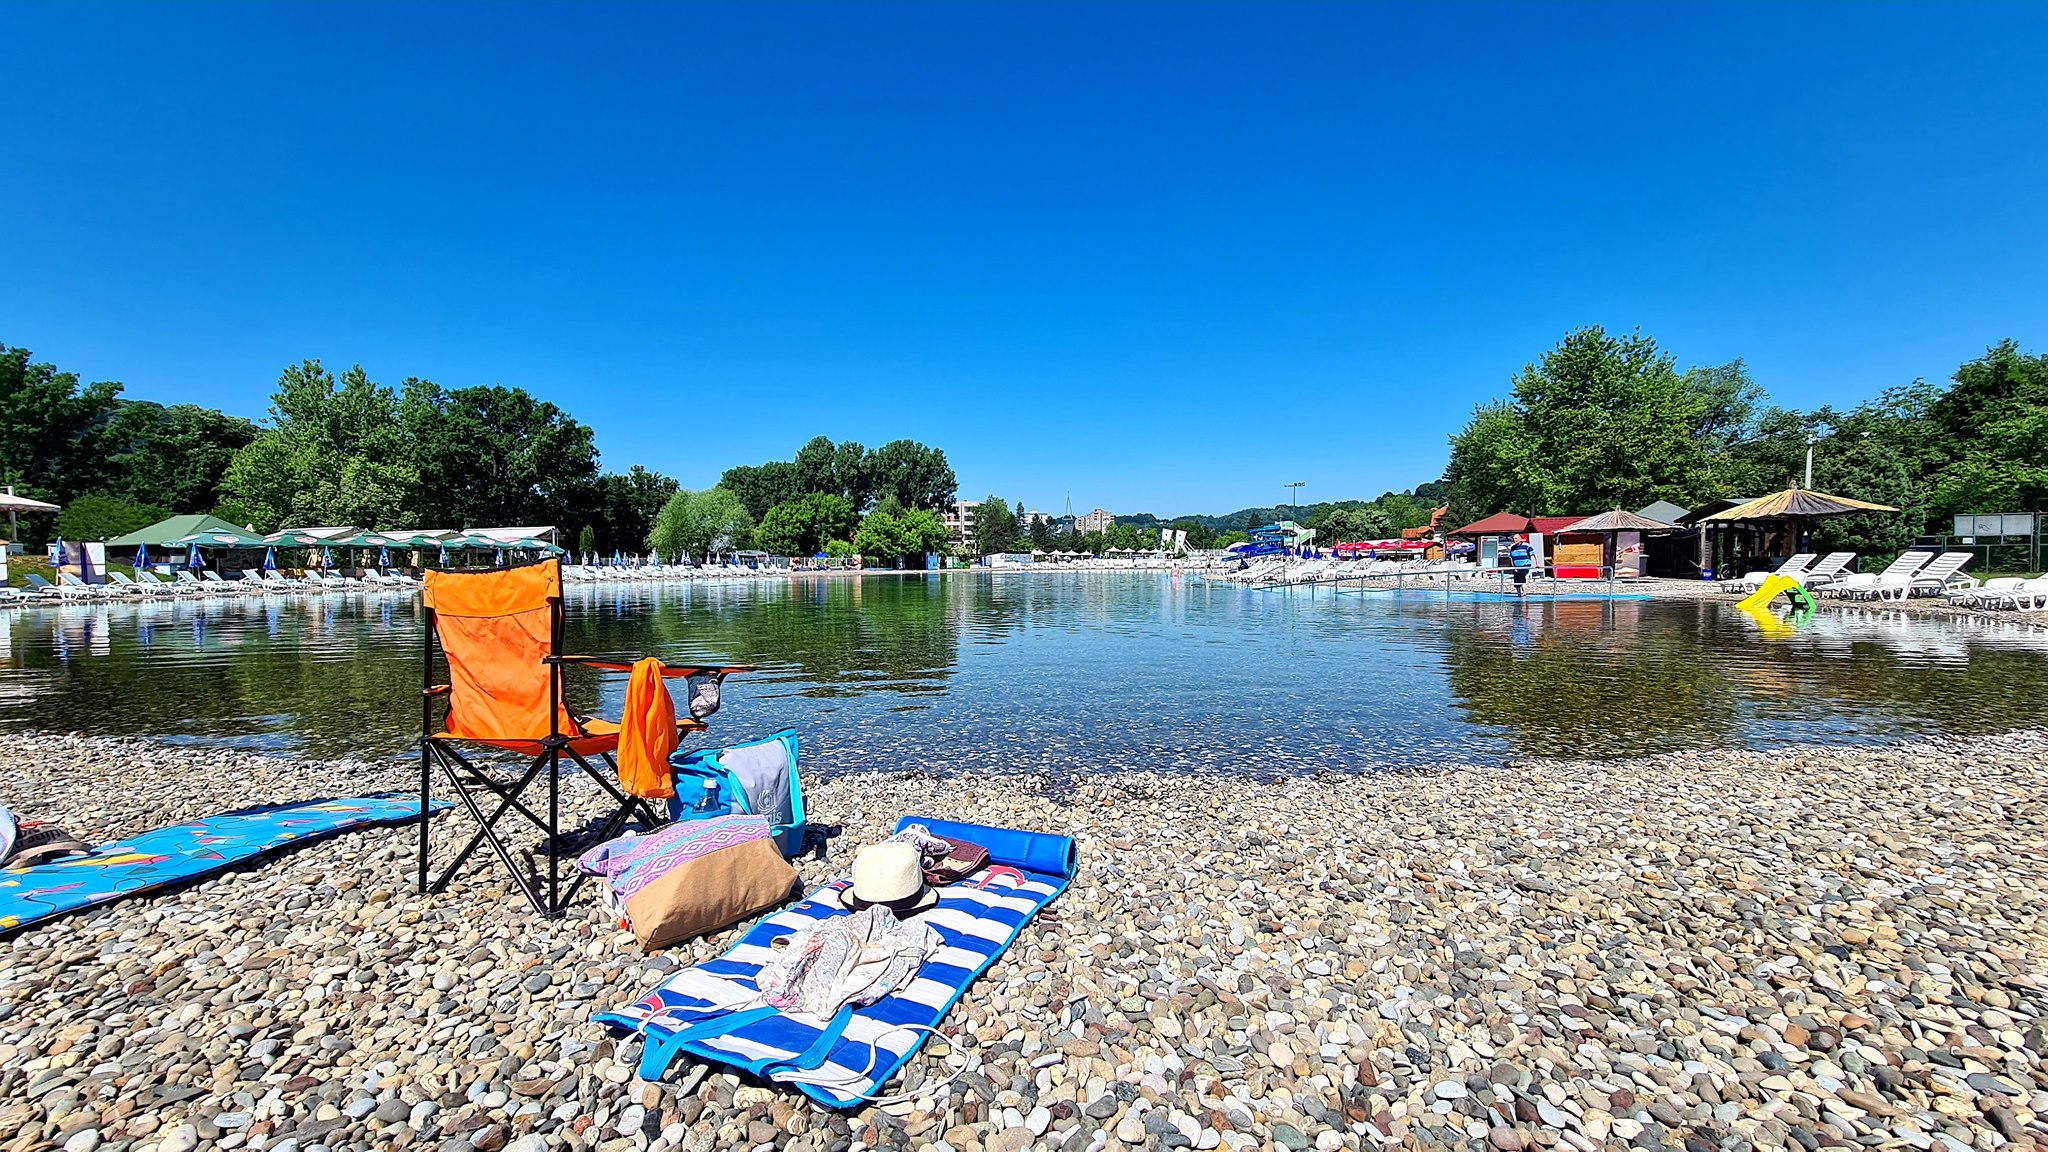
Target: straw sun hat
[890,875]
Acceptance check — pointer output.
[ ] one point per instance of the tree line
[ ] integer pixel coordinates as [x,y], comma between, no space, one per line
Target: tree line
[344,449]
[837,500]
[1604,421]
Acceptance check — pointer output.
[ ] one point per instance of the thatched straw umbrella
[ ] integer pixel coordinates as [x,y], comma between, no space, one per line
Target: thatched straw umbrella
[1793,507]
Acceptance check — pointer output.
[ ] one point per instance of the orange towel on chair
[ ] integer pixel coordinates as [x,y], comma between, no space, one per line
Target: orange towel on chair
[647,734]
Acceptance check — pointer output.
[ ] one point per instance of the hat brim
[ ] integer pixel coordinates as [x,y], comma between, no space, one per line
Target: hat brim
[923,901]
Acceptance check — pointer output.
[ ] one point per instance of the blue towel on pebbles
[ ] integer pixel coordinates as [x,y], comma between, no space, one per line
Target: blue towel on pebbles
[857,1050]
[188,851]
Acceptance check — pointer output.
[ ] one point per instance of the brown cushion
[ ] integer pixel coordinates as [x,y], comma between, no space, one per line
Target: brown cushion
[710,892]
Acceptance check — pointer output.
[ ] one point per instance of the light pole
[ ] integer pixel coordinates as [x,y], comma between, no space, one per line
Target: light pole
[1294,491]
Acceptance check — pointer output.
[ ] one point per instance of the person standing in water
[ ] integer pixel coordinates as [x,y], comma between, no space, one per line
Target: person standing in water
[1522,557]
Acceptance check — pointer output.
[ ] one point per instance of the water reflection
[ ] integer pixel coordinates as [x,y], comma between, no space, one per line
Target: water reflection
[1066,672]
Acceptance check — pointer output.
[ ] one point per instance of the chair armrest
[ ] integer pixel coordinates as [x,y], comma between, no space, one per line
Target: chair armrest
[720,670]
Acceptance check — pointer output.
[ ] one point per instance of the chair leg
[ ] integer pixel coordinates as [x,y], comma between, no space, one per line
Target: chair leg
[487,833]
[426,790]
[554,833]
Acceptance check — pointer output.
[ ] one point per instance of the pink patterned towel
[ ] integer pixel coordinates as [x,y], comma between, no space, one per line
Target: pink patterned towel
[631,863]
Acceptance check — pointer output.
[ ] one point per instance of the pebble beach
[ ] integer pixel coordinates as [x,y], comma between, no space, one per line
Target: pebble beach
[1793,949]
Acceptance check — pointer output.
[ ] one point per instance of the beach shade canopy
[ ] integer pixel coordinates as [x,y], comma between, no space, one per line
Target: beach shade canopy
[163,532]
[294,538]
[1797,504]
[218,538]
[1618,521]
[9,502]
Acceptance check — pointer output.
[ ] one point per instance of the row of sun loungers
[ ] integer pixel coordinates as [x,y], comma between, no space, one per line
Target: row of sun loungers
[148,585]
[2016,593]
[1917,572]
[658,573]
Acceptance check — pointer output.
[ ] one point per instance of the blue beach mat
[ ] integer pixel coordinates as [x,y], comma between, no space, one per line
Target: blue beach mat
[858,1049]
[184,852]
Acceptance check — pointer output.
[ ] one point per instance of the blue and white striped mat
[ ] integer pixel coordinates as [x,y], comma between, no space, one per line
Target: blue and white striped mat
[859,1049]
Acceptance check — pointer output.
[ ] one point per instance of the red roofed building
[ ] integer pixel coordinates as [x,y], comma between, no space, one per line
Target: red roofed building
[1498,524]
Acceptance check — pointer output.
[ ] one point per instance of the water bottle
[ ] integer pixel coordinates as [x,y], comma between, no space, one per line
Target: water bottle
[708,802]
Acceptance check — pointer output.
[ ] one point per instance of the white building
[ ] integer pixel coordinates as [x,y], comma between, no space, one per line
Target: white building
[959,520]
[1096,521]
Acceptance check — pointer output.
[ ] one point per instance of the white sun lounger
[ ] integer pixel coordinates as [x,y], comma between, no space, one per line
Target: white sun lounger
[1997,592]
[1751,581]
[1941,576]
[1865,585]
[1829,570]
[2032,595]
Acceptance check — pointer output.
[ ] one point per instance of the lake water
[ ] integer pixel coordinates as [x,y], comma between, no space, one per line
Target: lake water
[1064,672]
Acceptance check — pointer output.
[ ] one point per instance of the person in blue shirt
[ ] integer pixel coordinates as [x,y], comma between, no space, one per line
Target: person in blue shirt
[1522,557]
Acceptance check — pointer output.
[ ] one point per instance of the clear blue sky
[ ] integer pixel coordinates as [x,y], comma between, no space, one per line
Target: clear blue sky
[1117,252]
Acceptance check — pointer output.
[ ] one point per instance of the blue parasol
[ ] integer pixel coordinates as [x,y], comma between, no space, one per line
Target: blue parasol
[269,559]
[63,553]
[327,557]
[383,557]
[500,558]
[444,556]
[193,559]
[141,557]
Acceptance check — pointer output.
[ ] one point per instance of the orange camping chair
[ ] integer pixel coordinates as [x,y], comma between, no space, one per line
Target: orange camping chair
[501,634]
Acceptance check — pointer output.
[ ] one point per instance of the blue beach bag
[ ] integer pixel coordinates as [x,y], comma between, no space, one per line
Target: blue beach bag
[758,778]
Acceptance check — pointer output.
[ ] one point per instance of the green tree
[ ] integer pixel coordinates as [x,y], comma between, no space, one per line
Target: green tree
[1993,426]
[922,531]
[46,421]
[1199,534]
[879,538]
[1402,510]
[917,476]
[1600,421]
[1494,465]
[171,456]
[699,523]
[900,539]
[1342,524]
[995,527]
[1879,451]
[761,487]
[586,541]
[815,466]
[1042,534]
[801,527]
[627,505]
[334,453]
[98,517]
[491,455]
